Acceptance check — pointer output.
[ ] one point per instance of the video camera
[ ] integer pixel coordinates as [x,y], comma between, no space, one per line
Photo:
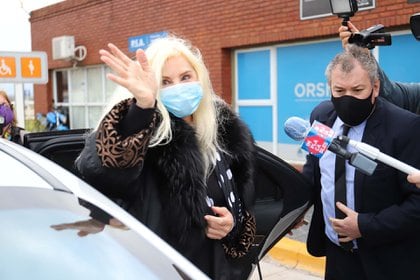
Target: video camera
[371,37]
[368,38]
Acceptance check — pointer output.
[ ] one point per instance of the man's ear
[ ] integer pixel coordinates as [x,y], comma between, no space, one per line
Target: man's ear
[376,87]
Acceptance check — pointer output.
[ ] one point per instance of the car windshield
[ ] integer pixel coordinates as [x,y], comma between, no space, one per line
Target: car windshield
[27,237]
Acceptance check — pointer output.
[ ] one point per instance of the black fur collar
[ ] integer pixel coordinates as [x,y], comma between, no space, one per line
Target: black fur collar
[181,167]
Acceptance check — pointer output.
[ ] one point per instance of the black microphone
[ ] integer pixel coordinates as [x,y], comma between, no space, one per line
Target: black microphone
[318,138]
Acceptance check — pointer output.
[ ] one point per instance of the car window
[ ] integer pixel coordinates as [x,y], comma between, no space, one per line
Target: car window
[33,249]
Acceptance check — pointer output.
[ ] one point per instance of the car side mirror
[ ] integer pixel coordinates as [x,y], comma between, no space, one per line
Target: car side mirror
[415,25]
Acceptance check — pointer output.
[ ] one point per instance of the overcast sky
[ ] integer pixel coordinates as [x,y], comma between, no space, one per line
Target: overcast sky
[14,23]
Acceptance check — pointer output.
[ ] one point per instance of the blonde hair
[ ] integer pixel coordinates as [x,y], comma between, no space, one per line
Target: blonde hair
[205,118]
[4,94]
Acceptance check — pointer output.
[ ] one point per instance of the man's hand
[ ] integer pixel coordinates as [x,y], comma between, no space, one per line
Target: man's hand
[347,227]
[414,178]
[345,33]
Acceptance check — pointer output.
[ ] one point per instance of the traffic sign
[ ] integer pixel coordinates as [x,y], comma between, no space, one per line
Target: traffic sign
[23,67]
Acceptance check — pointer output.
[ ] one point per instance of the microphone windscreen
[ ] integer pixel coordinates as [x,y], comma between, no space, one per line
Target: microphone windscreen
[296,128]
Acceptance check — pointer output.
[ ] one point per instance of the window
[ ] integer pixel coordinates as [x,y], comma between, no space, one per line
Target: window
[82,94]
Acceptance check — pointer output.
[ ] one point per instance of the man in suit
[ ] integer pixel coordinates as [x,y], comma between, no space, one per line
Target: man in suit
[378,234]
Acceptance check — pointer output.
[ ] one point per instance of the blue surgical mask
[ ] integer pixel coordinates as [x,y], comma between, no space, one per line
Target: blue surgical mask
[182,99]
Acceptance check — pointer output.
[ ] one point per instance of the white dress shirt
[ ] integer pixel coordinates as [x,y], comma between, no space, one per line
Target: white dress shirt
[327,168]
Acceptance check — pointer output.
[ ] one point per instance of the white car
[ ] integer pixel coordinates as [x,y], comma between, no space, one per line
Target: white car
[39,197]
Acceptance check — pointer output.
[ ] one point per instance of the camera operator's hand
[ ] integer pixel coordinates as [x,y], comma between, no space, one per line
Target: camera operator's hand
[345,33]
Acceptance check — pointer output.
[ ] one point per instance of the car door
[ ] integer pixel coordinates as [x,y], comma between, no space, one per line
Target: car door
[282,199]
[282,192]
[62,146]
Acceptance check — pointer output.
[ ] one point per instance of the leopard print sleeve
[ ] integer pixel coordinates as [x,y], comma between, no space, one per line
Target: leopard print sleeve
[117,151]
[240,246]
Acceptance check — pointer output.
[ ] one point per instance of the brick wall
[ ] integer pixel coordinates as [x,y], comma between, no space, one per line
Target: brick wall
[215,26]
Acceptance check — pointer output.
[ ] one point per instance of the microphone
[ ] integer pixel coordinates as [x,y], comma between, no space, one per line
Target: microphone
[367,150]
[316,138]
[296,128]
[376,154]
[319,138]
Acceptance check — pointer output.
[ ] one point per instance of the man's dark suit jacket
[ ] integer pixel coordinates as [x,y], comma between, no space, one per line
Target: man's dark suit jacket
[388,206]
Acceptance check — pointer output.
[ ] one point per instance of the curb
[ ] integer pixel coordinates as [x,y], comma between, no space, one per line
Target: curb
[293,253]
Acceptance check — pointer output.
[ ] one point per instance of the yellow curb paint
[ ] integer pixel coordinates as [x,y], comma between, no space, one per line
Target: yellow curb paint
[293,253]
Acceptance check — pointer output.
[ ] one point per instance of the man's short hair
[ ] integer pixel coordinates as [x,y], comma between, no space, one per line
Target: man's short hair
[346,61]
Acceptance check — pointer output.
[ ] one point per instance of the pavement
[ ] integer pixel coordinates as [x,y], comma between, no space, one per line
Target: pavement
[289,259]
[272,269]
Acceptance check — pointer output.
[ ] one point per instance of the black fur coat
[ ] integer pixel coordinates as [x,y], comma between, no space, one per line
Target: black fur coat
[165,182]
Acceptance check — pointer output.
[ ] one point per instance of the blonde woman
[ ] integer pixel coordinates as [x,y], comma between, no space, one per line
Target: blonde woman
[175,156]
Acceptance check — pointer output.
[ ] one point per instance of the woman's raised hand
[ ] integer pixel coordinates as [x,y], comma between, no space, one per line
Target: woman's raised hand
[135,75]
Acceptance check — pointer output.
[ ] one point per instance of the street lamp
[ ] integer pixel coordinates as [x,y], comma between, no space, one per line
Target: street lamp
[344,9]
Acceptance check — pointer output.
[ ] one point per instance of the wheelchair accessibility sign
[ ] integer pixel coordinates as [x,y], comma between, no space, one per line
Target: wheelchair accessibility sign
[23,67]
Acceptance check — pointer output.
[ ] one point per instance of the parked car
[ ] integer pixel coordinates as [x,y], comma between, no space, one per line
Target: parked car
[282,199]
[37,196]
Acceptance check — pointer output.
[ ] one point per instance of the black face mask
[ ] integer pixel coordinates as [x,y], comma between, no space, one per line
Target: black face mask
[351,110]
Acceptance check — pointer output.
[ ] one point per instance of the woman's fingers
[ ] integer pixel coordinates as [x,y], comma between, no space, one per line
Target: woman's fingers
[137,76]
[142,59]
[114,63]
[125,60]
[219,226]
[122,71]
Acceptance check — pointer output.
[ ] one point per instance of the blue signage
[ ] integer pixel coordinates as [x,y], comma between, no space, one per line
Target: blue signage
[143,41]
[301,82]
[401,59]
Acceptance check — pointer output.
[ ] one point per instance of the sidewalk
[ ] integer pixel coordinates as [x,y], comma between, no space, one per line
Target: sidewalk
[289,259]
[272,269]
[292,253]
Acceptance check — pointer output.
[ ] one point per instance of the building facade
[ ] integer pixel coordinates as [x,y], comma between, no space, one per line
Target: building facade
[266,57]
